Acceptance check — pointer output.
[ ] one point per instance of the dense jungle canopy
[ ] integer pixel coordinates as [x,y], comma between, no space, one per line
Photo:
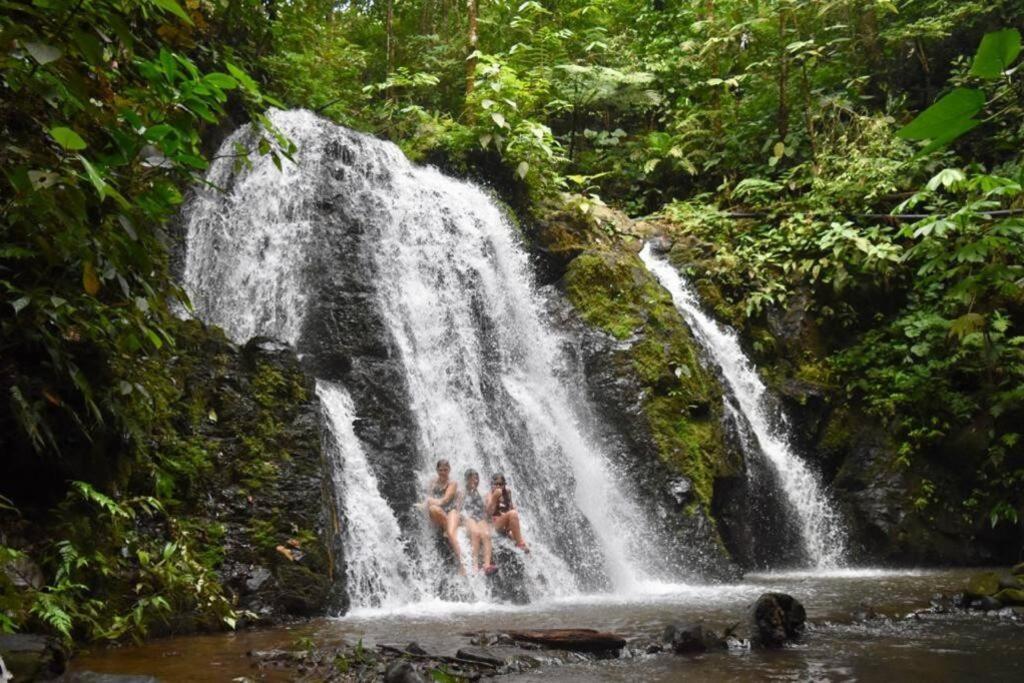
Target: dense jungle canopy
[862,157]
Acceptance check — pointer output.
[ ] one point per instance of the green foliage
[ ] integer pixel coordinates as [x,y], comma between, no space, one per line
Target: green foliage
[102,124]
[142,579]
[953,115]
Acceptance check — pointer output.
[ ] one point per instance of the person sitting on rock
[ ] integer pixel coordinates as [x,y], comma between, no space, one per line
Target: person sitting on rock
[474,518]
[503,512]
[441,508]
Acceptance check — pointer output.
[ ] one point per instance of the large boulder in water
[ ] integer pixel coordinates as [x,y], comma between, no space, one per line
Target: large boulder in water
[776,618]
[508,584]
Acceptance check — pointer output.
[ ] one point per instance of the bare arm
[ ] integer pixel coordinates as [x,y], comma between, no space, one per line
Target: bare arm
[491,503]
[449,493]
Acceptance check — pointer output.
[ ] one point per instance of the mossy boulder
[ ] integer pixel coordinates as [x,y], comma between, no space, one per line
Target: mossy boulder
[1010,596]
[1018,569]
[985,583]
[681,400]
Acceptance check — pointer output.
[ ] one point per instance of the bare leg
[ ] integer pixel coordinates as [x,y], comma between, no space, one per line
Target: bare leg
[474,540]
[509,523]
[486,538]
[436,516]
[453,540]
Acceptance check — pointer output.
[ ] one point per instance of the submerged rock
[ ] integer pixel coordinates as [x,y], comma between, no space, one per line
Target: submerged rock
[692,639]
[402,672]
[777,618]
[985,603]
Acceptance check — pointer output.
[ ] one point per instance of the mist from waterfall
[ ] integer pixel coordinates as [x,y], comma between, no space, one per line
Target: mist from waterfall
[485,374]
[821,530]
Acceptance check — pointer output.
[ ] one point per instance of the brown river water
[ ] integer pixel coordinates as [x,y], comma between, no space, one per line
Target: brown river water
[837,647]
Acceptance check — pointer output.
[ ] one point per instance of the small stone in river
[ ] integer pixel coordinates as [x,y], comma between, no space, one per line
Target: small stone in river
[481,655]
[414,648]
[402,672]
[985,603]
[690,639]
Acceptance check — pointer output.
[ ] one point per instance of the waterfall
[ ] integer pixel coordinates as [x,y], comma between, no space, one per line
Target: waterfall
[432,280]
[818,523]
[375,560]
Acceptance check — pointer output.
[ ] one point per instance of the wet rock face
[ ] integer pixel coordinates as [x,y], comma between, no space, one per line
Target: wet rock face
[262,504]
[616,393]
[345,338]
[656,409]
[775,619]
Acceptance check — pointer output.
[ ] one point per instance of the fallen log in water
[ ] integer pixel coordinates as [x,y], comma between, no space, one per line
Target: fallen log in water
[575,639]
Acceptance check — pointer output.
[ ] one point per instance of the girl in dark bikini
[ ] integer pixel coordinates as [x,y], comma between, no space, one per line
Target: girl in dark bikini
[441,508]
[503,513]
[474,518]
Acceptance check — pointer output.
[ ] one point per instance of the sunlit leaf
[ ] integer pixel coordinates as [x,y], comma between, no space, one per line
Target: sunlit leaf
[174,8]
[90,281]
[996,53]
[67,138]
[43,53]
[951,113]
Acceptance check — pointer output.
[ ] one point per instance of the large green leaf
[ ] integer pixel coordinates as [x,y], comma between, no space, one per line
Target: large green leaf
[996,53]
[174,8]
[67,138]
[949,113]
[954,131]
[43,53]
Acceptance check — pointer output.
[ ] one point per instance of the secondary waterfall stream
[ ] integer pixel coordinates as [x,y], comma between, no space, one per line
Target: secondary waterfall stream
[483,372]
[820,529]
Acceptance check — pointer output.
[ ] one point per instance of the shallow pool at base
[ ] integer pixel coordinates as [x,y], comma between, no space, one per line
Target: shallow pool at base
[836,647]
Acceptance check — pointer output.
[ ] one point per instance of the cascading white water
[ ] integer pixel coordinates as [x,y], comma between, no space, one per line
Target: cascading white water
[481,366]
[820,528]
[485,376]
[376,568]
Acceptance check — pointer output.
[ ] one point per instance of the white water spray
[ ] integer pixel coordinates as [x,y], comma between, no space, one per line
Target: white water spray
[376,565]
[820,528]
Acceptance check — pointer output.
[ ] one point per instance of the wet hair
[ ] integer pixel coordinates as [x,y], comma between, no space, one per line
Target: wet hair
[472,473]
[496,476]
[441,462]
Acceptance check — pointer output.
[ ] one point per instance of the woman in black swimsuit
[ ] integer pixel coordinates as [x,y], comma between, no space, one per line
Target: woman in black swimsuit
[503,513]
[474,518]
[441,508]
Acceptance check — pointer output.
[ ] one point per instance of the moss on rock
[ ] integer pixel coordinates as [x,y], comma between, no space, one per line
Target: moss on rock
[613,291]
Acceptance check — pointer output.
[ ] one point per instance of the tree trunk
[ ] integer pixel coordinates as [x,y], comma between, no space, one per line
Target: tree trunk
[782,117]
[471,43]
[389,25]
